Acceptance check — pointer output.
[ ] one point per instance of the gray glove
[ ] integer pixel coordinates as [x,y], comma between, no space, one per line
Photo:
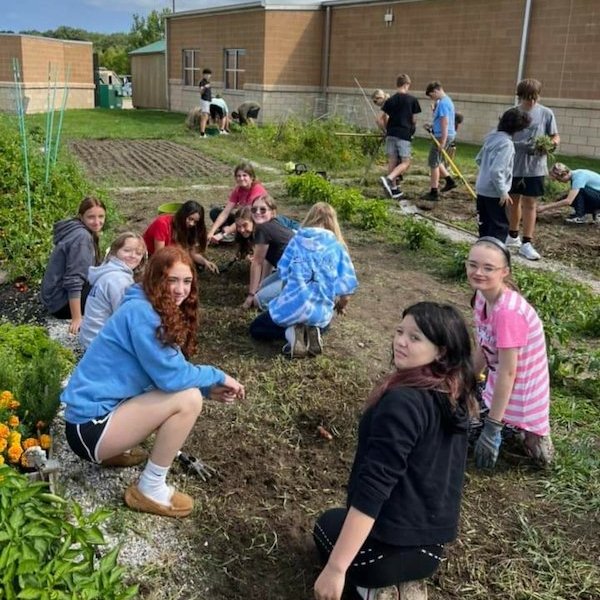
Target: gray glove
[488,444]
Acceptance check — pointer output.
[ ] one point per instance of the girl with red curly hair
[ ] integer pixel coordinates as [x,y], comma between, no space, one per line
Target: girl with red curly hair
[136,378]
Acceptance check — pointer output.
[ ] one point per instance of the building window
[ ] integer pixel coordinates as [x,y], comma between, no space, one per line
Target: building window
[192,69]
[235,71]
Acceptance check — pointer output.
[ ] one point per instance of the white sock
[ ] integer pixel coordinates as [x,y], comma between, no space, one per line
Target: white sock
[153,483]
[289,335]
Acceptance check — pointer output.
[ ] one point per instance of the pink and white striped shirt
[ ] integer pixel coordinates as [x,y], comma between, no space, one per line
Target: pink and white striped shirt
[514,323]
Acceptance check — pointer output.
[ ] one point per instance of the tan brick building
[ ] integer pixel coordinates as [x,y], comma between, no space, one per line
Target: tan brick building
[34,54]
[303,58]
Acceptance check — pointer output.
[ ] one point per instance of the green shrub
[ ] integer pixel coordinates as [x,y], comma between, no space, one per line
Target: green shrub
[33,366]
[48,547]
[417,233]
[453,264]
[24,249]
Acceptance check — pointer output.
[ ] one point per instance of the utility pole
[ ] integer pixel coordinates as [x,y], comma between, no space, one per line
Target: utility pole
[173,5]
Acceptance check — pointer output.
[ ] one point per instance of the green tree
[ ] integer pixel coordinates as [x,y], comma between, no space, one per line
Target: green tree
[116,59]
[146,30]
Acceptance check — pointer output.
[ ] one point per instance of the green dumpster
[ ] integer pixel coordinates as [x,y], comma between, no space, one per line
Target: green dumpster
[110,96]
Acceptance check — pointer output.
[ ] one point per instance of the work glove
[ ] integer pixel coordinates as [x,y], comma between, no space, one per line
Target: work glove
[488,444]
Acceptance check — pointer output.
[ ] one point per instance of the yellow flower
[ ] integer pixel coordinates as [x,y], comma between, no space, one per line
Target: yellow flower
[45,441]
[13,421]
[4,431]
[3,444]
[14,439]
[5,398]
[29,443]
[1,463]
[14,453]
[14,404]
[24,461]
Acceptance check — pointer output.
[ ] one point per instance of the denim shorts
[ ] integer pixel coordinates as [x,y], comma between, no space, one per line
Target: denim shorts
[398,148]
[435,158]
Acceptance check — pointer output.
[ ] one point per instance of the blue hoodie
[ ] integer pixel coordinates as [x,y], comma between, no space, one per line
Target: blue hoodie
[126,359]
[315,268]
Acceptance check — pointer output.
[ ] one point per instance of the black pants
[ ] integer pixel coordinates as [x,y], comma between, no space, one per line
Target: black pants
[377,564]
[492,218]
[215,211]
[65,311]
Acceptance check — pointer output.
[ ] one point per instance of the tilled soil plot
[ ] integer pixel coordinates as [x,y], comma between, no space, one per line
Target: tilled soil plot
[143,161]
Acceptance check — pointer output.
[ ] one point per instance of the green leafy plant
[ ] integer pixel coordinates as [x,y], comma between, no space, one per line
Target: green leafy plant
[48,547]
[543,144]
[417,233]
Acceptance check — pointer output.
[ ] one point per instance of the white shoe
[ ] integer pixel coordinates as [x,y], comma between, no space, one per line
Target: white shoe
[529,252]
[512,242]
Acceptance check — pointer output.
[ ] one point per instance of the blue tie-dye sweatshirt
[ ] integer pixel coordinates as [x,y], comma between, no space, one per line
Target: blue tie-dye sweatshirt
[315,268]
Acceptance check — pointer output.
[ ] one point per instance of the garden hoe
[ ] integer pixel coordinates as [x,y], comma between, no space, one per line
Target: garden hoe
[196,466]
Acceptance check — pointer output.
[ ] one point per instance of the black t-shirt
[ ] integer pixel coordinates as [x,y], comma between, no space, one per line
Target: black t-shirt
[400,108]
[206,93]
[276,236]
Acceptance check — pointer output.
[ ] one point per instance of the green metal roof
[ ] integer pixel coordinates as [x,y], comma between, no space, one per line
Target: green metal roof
[153,48]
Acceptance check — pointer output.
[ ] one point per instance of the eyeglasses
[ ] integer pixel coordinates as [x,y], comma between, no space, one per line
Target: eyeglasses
[487,269]
[260,210]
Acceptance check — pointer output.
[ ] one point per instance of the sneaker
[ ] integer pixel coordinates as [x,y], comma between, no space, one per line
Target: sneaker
[450,185]
[512,242]
[223,132]
[397,194]
[431,196]
[540,448]
[387,186]
[529,252]
[314,340]
[202,135]
[576,220]
[297,338]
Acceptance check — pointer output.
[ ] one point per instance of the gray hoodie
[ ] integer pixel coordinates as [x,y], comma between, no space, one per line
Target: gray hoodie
[495,160]
[109,282]
[72,256]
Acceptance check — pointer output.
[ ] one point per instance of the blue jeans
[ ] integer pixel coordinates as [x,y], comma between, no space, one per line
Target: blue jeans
[270,287]
[264,328]
[586,202]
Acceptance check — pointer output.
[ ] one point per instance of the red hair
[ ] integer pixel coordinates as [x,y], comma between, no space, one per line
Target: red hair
[178,324]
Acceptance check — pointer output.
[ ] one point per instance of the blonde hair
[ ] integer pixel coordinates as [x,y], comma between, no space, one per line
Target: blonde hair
[119,242]
[323,215]
[560,171]
[377,94]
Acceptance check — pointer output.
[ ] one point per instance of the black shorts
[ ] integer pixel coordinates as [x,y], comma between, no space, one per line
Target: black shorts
[528,186]
[216,112]
[85,437]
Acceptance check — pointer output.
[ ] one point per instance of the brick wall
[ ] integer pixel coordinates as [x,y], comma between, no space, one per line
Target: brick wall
[35,54]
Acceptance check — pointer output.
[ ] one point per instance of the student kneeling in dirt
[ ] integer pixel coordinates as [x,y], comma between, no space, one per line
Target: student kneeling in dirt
[318,278]
[247,113]
[584,195]
[135,379]
[406,483]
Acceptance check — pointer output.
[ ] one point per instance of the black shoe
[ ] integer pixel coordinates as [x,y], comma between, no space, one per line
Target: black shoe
[431,196]
[450,185]
[387,186]
[397,194]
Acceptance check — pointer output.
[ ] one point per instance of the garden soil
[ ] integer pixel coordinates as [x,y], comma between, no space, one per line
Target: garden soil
[250,535]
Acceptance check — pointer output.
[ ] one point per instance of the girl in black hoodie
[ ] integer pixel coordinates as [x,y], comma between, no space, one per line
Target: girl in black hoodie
[406,482]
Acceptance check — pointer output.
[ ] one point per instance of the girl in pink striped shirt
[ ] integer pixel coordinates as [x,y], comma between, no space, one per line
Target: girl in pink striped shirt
[511,344]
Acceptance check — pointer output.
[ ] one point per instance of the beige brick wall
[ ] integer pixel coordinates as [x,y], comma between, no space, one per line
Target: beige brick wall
[35,54]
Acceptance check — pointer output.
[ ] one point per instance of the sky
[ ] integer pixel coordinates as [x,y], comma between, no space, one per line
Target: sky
[101,16]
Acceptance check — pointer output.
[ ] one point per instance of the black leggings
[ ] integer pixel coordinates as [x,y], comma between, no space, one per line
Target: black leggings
[65,311]
[377,564]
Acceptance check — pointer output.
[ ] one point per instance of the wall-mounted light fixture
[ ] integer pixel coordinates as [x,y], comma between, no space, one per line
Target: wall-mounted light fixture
[388,17]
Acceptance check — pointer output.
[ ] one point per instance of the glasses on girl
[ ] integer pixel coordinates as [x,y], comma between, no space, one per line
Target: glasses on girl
[259,210]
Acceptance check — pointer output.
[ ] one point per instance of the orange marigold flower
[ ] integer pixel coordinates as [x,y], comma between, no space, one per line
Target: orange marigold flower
[45,441]
[5,398]
[4,431]
[14,453]
[14,404]
[14,439]
[13,421]
[24,461]
[3,444]
[29,443]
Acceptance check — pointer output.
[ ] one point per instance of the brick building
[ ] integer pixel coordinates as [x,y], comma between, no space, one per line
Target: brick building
[34,54]
[302,58]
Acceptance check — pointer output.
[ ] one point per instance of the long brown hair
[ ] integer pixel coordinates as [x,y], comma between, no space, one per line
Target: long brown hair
[190,237]
[451,373]
[178,324]
[85,205]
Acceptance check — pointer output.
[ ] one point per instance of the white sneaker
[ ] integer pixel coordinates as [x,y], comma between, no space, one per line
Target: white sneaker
[576,220]
[512,242]
[529,252]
